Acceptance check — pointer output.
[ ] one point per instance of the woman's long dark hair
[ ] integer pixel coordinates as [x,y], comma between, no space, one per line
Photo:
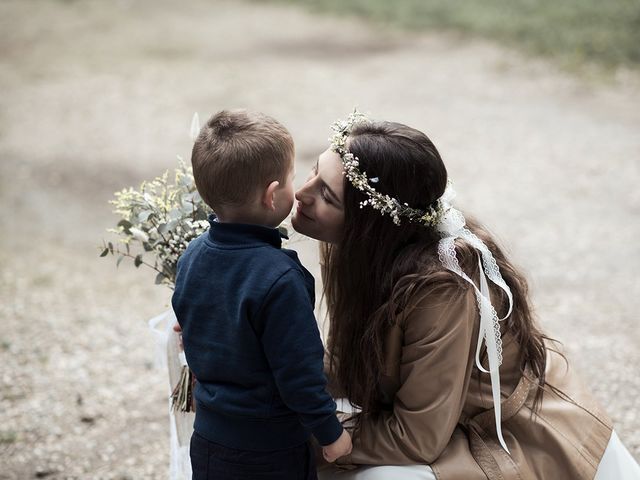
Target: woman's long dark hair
[372,274]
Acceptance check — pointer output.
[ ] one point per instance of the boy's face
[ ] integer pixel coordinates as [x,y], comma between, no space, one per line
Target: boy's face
[284,194]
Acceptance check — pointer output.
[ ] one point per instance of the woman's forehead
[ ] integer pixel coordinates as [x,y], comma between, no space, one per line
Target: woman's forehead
[331,170]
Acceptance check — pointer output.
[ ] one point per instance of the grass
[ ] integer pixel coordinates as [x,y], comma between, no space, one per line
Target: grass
[8,437]
[574,32]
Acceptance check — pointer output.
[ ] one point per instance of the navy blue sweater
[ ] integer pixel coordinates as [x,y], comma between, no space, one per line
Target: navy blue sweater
[245,306]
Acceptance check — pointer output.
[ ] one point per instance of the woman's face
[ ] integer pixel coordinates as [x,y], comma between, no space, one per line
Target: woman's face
[319,209]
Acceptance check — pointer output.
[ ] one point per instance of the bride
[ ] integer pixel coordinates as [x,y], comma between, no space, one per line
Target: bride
[432,336]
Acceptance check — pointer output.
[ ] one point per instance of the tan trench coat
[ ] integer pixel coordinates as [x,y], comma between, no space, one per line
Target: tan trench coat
[440,405]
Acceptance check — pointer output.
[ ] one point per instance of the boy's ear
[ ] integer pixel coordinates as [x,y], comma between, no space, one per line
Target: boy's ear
[268,195]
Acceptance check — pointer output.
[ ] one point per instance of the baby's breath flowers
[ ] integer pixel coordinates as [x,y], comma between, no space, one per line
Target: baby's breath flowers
[158,220]
[384,203]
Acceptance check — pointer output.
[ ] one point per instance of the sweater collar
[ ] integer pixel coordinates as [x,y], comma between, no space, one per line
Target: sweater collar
[243,234]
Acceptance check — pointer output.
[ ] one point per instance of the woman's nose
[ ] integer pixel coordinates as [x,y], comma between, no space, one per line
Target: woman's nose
[303,195]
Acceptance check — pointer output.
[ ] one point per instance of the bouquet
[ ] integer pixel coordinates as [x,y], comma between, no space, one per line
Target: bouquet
[157,222]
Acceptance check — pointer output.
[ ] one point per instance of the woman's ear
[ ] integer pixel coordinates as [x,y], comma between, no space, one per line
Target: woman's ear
[269,194]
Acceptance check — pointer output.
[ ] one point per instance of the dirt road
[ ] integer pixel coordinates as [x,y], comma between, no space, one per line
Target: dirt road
[99,95]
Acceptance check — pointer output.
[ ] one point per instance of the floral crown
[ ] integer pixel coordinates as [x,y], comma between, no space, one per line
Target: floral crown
[384,203]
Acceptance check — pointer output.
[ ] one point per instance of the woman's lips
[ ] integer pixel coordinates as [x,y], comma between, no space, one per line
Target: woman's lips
[300,212]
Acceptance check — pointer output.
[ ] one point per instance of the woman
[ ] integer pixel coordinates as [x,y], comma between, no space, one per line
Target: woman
[432,337]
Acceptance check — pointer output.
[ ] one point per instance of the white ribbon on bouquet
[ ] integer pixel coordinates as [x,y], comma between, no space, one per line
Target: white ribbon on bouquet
[169,355]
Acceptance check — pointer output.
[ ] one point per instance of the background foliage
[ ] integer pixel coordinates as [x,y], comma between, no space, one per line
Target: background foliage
[572,31]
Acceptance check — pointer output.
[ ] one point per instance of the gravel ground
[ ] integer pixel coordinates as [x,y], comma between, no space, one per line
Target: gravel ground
[99,95]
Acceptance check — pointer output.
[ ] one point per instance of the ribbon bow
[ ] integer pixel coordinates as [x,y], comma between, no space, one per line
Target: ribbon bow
[451,227]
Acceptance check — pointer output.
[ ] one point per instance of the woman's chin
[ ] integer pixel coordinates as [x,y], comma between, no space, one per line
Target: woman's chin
[298,224]
[304,226]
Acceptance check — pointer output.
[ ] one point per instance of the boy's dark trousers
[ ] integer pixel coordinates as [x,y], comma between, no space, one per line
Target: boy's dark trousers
[211,461]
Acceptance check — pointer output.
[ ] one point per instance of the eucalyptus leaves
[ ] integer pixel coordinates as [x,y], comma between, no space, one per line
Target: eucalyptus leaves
[157,222]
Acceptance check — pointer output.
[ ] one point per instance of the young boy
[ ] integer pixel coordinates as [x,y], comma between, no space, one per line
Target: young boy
[246,311]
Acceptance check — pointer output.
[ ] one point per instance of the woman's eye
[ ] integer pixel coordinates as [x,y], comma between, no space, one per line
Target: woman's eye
[323,194]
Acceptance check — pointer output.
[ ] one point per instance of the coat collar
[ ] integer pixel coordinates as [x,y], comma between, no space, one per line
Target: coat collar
[243,234]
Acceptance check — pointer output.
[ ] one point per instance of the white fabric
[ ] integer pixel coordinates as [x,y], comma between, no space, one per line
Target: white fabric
[170,357]
[451,227]
[195,127]
[617,463]
[387,472]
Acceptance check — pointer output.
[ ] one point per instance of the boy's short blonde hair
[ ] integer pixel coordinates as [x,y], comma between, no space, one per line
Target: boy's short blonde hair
[237,153]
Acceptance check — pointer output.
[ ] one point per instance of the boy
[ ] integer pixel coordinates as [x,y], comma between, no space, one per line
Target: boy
[246,311]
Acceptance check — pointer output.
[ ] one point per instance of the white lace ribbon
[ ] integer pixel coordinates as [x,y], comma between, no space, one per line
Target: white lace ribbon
[451,227]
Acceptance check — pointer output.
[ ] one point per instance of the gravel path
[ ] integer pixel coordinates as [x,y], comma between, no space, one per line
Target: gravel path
[99,95]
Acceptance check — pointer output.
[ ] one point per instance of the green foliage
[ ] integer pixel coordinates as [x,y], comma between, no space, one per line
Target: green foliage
[8,437]
[573,31]
[160,219]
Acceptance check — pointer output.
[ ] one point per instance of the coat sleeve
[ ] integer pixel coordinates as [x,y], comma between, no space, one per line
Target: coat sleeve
[435,368]
[293,348]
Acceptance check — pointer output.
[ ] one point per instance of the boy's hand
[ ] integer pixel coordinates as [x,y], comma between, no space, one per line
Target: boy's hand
[337,449]
[178,329]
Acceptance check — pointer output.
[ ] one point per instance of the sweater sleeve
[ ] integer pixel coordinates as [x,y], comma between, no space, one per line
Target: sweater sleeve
[293,348]
[435,368]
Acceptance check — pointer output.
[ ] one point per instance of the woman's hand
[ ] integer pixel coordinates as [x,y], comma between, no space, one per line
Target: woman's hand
[339,448]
